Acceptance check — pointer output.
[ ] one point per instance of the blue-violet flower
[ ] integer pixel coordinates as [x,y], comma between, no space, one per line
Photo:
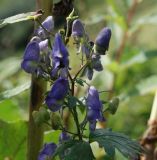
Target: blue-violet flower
[58,92]
[95,64]
[31,57]
[47,151]
[48,24]
[94,107]
[59,57]
[102,41]
[78,28]
[63,137]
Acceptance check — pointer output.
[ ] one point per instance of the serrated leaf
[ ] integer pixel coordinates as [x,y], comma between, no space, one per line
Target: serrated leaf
[15,91]
[64,146]
[19,18]
[109,139]
[76,150]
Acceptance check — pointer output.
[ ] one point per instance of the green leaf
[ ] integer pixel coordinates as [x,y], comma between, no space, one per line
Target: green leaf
[80,81]
[76,150]
[51,136]
[111,140]
[13,111]
[13,140]
[15,91]
[19,18]
[13,65]
[143,87]
[72,101]
[145,20]
[142,57]
[117,15]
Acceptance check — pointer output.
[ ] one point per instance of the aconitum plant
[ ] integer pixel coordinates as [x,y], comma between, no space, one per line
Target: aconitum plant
[47,56]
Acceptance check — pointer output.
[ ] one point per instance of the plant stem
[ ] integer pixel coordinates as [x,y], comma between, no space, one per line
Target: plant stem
[38,88]
[83,67]
[75,115]
[35,133]
[74,111]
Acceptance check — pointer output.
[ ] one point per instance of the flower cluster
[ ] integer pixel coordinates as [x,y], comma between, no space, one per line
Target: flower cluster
[92,51]
[47,57]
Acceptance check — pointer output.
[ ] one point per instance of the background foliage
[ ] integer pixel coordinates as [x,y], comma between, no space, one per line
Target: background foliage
[132,76]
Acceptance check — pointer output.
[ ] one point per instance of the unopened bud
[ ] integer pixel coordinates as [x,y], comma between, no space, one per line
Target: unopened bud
[55,120]
[41,116]
[113,105]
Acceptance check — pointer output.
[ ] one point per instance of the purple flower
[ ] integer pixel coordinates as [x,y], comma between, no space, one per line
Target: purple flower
[102,41]
[47,151]
[78,28]
[92,125]
[43,45]
[95,64]
[48,24]
[63,137]
[94,107]
[93,101]
[89,72]
[59,57]
[58,92]
[31,57]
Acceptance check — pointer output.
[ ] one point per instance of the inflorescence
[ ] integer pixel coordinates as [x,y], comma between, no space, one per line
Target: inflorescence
[46,56]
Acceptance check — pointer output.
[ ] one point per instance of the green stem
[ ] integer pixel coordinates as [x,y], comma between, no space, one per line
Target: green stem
[74,111]
[82,68]
[38,88]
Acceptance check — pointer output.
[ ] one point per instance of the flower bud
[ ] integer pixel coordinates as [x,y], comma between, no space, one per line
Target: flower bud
[55,121]
[102,41]
[41,116]
[44,113]
[113,105]
[48,24]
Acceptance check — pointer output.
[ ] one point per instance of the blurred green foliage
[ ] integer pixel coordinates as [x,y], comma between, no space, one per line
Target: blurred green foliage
[129,67]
